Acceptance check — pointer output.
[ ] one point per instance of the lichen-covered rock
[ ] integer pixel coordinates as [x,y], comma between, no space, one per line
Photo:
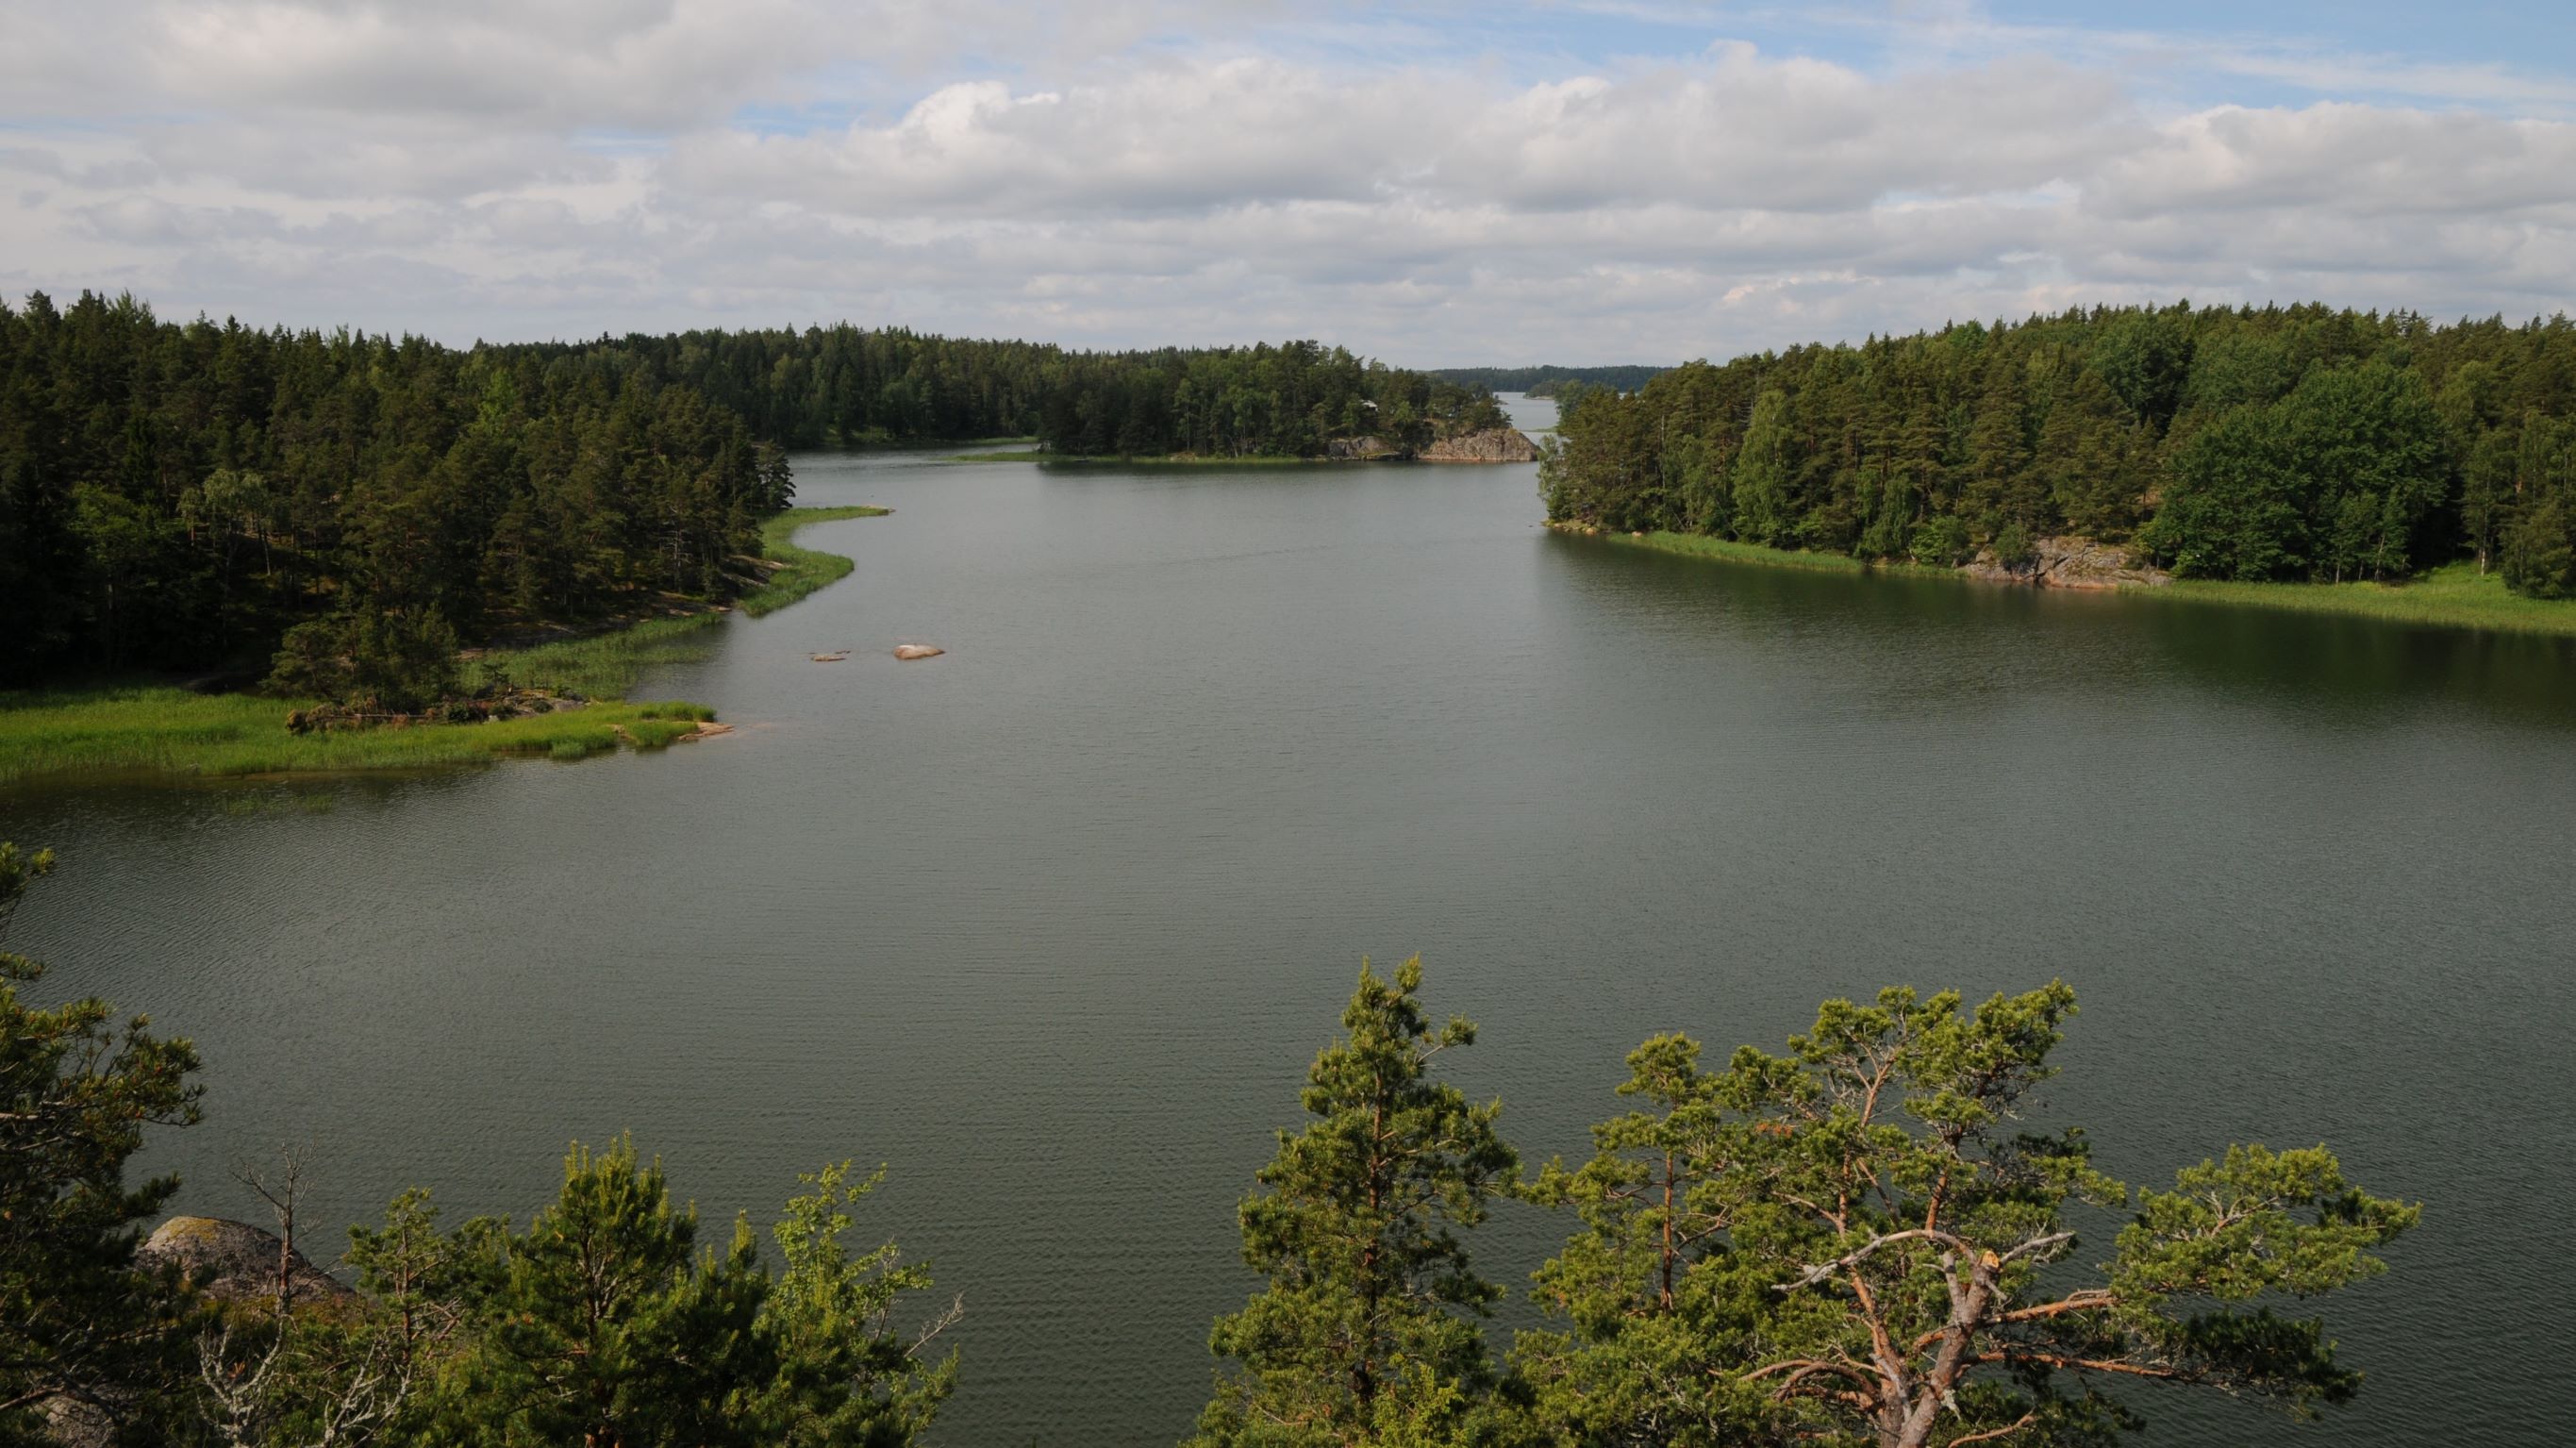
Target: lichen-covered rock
[1493,445]
[1360,449]
[232,1261]
[2070,563]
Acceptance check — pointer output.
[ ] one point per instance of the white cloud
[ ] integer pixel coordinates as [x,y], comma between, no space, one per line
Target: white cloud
[1125,173]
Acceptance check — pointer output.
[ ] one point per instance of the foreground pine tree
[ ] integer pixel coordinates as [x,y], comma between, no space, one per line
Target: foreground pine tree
[82,1332]
[1367,1330]
[1861,1243]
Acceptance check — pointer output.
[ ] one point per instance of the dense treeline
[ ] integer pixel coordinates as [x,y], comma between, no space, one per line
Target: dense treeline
[842,384]
[1548,381]
[1861,1241]
[183,495]
[2287,443]
[1296,399]
[846,384]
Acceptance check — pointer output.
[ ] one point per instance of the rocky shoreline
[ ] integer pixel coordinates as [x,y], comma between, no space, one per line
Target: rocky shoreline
[2071,563]
[1491,445]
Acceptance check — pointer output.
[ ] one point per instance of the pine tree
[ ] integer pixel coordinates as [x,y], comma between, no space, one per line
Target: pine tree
[1367,1332]
[79,1325]
[1762,470]
[608,1329]
[1863,1242]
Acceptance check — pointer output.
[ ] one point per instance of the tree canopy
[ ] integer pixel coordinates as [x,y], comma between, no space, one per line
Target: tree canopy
[1864,1240]
[2285,443]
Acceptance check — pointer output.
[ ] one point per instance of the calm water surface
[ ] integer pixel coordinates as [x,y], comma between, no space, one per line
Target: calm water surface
[1052,925]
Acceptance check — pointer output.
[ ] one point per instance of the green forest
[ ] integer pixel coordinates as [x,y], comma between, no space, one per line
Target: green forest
[1294,400]
[847,385]
[1548,381]
[344,508]
[1860,1241]
[2280,444]
[339,512]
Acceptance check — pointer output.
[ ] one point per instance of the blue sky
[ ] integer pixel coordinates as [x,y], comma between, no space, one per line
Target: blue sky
[1433,183]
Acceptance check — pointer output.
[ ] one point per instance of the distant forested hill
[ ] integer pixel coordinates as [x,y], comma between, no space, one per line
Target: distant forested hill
[2282,443]
[850,384]
[1290,400]
[841,384]
[1546,381]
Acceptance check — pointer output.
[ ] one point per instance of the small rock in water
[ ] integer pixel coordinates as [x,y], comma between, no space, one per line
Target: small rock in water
[918,651]
[834,657]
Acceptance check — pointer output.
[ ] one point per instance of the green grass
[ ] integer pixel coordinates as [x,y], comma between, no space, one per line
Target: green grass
[2455,595]
[155,729]
[1018,455]
[139,728]
[806,570]
[597,666]
[1697,545]
[606,665]
[171,730]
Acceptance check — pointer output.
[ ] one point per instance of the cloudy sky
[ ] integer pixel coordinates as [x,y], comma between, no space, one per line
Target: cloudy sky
[1437,184]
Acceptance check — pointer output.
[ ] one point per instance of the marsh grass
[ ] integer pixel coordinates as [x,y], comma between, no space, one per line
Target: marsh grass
[599,666]
[806,569]
[165,730]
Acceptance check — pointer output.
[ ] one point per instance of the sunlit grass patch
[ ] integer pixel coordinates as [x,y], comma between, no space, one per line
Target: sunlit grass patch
[2455,595]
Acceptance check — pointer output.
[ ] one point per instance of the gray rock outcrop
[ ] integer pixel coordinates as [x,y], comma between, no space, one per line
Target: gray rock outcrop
[1360,449]
[1493,445]
[2070,563]
[232,1261]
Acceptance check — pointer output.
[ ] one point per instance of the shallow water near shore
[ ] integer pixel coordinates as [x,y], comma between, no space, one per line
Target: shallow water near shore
[1053,924]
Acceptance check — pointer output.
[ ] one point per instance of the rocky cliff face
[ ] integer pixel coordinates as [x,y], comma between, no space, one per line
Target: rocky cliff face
[2070,563]
[1493,445]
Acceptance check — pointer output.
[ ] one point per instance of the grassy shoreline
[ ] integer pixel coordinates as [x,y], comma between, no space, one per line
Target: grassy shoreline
[1171,460]
[605,665]
[148,728]
[2455,595]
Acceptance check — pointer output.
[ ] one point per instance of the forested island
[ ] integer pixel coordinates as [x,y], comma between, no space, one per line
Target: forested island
[1865,1239]
[2273,445]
